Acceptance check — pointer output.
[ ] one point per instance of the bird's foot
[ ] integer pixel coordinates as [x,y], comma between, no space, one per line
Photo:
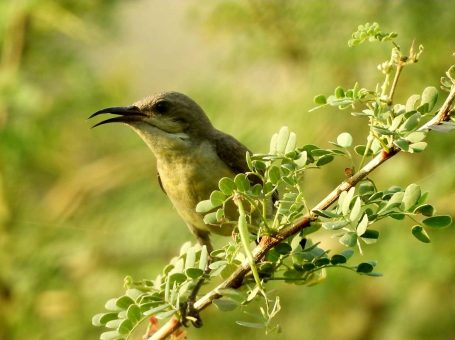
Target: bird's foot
[189,313]
[187,310]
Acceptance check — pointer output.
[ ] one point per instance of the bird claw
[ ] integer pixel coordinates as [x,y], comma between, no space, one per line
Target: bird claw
[189,313]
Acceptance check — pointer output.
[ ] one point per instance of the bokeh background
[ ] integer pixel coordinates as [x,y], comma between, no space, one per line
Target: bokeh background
[81,208]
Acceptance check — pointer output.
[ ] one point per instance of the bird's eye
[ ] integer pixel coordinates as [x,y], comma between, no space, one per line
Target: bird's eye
[161,107]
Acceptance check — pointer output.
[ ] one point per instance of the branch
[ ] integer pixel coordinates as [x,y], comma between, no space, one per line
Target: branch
[269,242]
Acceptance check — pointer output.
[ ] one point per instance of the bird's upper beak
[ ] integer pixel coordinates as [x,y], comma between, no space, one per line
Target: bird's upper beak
[128,114]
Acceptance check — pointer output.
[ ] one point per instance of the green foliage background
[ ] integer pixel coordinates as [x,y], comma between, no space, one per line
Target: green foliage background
[80,208]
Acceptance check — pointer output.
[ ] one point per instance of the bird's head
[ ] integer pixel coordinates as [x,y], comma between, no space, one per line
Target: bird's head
[165,120]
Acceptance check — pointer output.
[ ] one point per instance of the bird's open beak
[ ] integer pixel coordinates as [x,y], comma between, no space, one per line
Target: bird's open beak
[128,114]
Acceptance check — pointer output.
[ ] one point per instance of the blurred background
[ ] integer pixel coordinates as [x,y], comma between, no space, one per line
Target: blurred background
[80,208]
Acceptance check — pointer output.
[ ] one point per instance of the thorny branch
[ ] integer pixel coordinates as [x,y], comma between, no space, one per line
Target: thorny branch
[269,242]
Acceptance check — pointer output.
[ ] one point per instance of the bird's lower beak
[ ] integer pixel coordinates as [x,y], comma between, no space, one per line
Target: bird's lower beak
[128,114]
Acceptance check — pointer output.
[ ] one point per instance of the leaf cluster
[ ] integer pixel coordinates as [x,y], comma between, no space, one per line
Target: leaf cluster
[160,298]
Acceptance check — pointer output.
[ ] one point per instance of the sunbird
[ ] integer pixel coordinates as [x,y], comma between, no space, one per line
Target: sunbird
[191,154]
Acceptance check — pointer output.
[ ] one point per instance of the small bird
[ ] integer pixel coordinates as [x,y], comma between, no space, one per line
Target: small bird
[191,154]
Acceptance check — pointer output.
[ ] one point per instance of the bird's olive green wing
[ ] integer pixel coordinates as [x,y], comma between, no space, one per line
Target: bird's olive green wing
[231,152]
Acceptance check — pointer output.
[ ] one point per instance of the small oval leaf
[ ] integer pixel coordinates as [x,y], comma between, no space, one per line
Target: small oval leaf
[324,160]
[439,221]
[420,234]
[365,267]
[344,140]
[226,185]
[204,206]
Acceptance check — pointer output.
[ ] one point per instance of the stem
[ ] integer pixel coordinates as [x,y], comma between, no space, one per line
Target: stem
[370,139]
[395,82]
[244,237]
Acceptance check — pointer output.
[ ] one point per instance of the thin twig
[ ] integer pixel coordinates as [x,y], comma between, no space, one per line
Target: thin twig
[269,242]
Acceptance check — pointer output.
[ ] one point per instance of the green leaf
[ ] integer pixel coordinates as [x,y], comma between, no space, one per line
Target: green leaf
[344,139]
[396,122]
[324,160]
[320,100]
[346,202]
[155,310]
[418,147]
[382,130]
[430,97]
[370,234]
[124,302]
[111,335]
[365,267]
[325,213]
[338,259]
[233,294]
[424,209]
[314,226]
[102,318]
[134,313]
[360,150]
[321,262]
[226,185]
[177,277]
[411,123]
[411,103]
[320,152]
[393,202]
[335,225]
[165,315]
[217,198]
[366,187]
[125,327]
[403,144]
[190,257]
[211,218]
[356,210]
[111,305]
[242,182]
[349,239]
[225,305]
[204,206]
[203,259]
[438,221]
[347,253]
[259,165]
[250,324]
[282,140]
[339,92]
[217,264]
[362,226]
[219,214]
[397,216]
[274,174]
[302,160]
[194,273]
[290,145]
[420,234]
[283,248]
[411,196]
[114,324]
[415,137]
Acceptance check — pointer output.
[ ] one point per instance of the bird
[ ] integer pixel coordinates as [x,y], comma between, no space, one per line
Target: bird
[191,154]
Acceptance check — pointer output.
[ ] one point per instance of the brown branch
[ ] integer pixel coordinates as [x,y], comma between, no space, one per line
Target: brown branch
[270,241]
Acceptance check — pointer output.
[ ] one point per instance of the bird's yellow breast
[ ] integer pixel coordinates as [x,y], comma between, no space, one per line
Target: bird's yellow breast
[190,177]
